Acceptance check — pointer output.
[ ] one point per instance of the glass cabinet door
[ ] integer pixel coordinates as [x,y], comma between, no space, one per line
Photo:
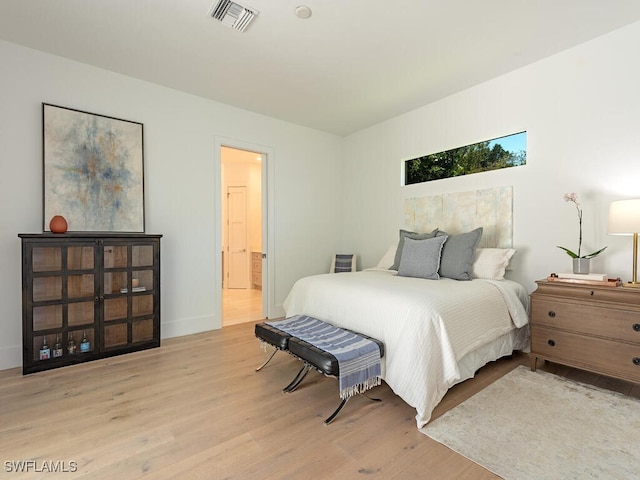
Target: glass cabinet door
[143,303]
[81,293]
[128,294]
[63,300]
[46,265]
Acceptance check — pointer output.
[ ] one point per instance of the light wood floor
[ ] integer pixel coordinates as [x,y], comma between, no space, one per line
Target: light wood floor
[195,408]
[240,305]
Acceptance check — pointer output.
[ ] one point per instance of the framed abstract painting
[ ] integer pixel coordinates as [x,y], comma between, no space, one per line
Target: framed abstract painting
[92,171]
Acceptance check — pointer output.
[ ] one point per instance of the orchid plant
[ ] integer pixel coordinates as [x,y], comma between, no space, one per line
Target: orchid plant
[573,198]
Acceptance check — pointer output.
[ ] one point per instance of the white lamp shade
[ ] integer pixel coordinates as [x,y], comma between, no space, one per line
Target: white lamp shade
[624,217]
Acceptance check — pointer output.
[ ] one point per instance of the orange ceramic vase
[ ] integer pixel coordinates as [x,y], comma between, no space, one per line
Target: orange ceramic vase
[58,224]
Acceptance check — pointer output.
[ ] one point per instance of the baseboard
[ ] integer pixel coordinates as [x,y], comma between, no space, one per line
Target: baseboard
[10,357]
[189,326]
[277,311]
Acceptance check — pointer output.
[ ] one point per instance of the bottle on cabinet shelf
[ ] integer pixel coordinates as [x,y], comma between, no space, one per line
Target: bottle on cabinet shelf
[85,345]
[71,345]
[57,347]
[45,350]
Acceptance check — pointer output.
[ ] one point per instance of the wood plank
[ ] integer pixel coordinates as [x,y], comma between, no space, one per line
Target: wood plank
[196,408]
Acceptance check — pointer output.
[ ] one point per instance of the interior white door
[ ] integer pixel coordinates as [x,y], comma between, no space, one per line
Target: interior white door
[238,269]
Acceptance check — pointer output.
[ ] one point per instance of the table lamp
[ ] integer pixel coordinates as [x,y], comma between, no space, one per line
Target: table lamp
[624,219]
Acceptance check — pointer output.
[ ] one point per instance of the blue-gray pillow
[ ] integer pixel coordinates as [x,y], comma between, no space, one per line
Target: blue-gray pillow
[421,258]
[343,263]
[407,234]
[458,254]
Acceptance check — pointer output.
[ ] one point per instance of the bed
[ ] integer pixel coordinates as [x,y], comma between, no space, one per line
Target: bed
[442,308]
[436,334]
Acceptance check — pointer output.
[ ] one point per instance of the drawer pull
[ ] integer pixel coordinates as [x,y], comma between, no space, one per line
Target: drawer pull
[592,293]
[552,313]
[636,327]
[552,343]
[636,361]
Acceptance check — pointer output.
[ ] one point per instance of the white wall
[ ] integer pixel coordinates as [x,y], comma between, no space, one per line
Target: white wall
[581,111]
[180,131]
[579,108]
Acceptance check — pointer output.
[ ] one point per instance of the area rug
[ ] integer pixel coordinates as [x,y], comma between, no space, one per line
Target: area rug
[536,425]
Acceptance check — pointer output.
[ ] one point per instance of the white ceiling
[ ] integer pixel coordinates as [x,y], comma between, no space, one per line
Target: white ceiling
[353,64]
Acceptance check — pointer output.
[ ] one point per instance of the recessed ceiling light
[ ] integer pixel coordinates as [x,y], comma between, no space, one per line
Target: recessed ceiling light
[302,11]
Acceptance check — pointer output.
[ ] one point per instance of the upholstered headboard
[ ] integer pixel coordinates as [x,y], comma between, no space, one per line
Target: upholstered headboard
[491,208]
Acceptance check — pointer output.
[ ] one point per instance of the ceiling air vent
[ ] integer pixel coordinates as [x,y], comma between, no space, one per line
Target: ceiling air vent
[232,14]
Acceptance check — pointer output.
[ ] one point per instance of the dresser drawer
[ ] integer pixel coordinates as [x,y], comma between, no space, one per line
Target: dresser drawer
[618,295]
[597,354]
[587,318]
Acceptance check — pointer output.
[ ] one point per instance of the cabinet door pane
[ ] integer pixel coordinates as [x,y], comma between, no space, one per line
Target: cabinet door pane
[47,288]
[115,282]
[115,335]
[47,317]
[81,313]
[142,255]
[142,330]
[142,305]
[46,259]
[115,256]
[79,286]
[142,280]
[79,341]
[40,350]
[115,308]
[80,258]
[84,340]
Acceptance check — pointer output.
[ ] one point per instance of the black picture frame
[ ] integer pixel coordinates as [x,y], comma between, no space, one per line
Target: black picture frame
[93,171]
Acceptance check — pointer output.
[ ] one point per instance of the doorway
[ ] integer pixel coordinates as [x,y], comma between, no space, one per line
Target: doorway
[242,235]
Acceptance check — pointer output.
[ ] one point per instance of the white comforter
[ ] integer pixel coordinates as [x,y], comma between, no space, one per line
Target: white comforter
[427,326]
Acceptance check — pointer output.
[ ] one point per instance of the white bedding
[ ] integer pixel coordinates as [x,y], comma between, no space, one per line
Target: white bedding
[427,326]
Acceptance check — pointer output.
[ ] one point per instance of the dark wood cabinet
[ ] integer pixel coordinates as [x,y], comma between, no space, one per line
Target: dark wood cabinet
[87,296]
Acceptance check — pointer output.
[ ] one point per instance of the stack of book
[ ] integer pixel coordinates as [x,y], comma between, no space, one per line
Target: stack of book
[600,279]
[133,289]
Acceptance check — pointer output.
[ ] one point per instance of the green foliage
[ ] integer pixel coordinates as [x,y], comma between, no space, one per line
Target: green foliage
[475,158]
[575,255]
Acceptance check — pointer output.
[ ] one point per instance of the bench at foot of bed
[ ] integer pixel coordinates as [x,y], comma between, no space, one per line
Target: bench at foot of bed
[312,356]
[274,337]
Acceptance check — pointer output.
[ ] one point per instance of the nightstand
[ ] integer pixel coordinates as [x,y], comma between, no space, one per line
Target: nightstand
[595,328]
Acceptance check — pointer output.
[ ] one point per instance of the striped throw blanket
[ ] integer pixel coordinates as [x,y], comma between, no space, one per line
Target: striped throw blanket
[358,357]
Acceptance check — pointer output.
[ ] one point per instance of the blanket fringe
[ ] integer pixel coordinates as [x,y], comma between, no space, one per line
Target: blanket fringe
[361,387]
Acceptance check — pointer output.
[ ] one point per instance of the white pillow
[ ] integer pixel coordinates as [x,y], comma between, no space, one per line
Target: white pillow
[387,260]
[491,263]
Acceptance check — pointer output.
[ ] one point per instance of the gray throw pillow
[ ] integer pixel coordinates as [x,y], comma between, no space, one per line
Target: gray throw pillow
[458,254]
[421,258]
[407,234]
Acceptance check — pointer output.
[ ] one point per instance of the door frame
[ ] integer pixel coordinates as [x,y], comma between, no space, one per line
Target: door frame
[268,218]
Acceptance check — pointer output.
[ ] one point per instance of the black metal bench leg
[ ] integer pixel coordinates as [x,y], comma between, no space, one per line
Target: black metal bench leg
[297,379]
[337,411]
[342,404]
[275,350]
